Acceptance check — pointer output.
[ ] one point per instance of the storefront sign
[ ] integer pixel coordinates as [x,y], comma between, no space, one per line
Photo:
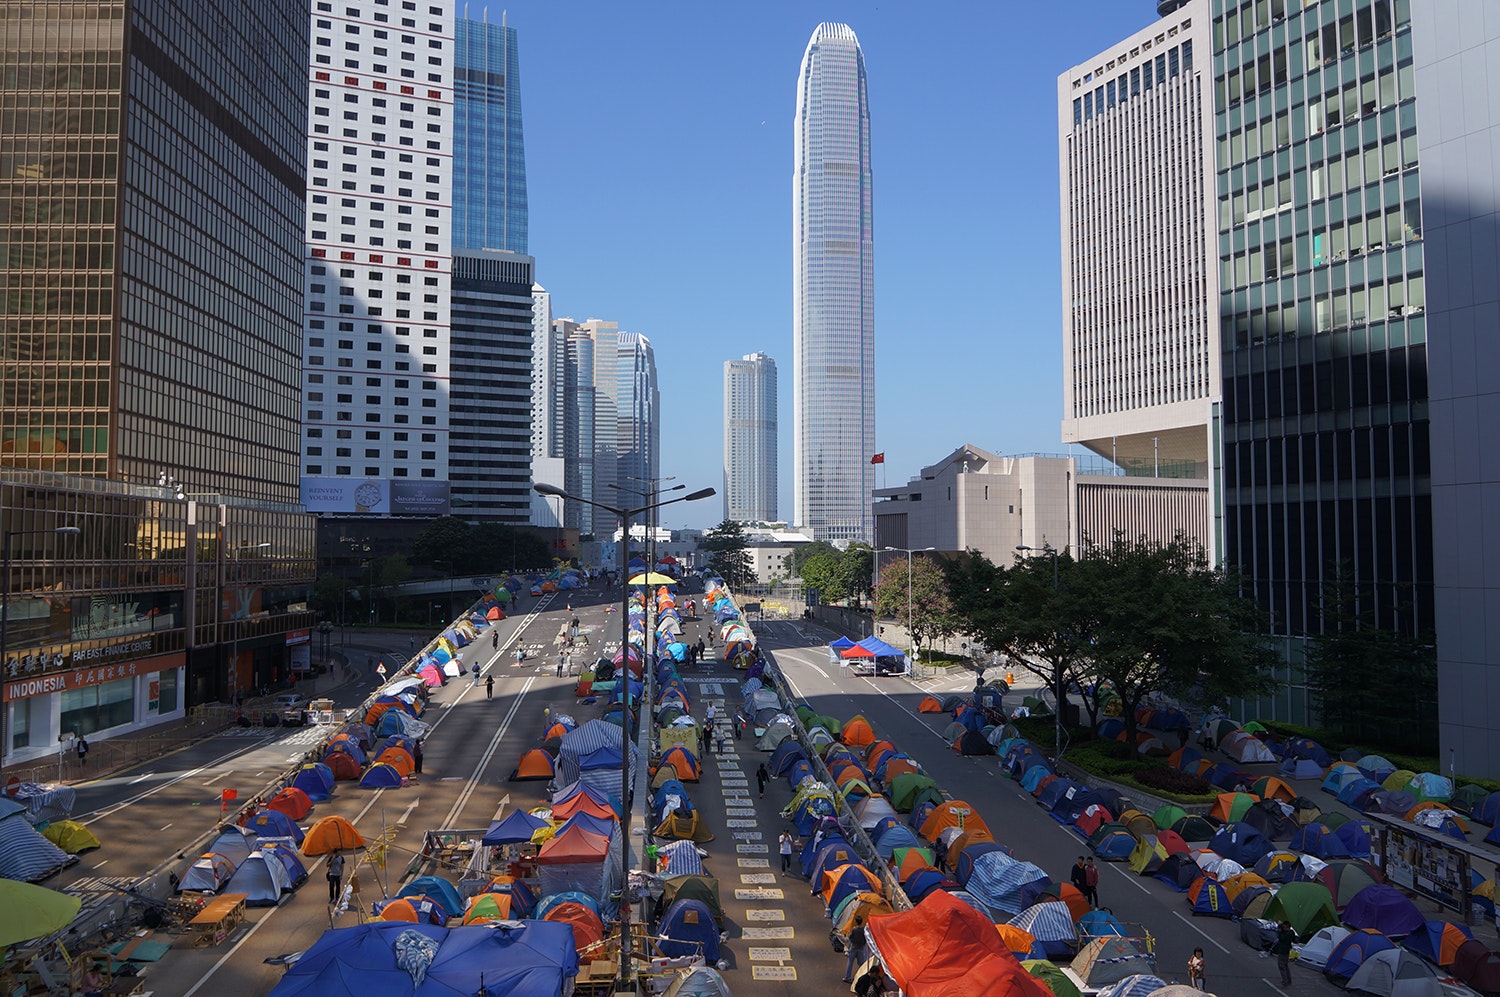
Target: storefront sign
[72,659]
[79,678]
[298,637]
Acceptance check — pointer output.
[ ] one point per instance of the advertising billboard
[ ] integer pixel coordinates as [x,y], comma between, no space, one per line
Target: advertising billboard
[376,496]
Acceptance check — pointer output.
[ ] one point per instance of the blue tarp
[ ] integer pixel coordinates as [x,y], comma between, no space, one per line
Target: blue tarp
[516,827]
[998,880]
[438,889]
[518,959]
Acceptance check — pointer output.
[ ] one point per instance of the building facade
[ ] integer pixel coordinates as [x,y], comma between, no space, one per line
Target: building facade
[637,406]
[1140,333]
[377,361]
[491,405]
[750,439]
[153,205]
[833,290]
[489,178]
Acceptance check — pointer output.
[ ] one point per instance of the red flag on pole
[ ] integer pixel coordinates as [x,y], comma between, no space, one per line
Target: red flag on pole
[878,458]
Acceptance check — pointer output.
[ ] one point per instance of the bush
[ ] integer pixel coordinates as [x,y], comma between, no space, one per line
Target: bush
[1172,780]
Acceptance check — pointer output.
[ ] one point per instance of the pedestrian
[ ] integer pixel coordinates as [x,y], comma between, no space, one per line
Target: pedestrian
[762,776]
[1282,950]
[784,843]
[489,687]
[416,757]
[474,670]
[1091,878]
[1079,876]
[495,640]
[82,747]
[711,714]
[411,642]
[1196,970]
[335,877]
[856,950]
[562,660]
[708,740]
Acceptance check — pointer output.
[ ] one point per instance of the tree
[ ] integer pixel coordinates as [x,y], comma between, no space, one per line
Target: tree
[802,552]
[387,573]
[822,573]
[728,554]
[856,564]
[929,611]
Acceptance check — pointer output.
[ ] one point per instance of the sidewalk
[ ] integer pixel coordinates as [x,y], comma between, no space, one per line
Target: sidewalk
[110,756]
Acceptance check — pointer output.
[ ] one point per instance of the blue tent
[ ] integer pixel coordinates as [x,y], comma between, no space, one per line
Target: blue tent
[286,853]
[381,776]
[800,769]
[1109,727]
[1240,843]
[515,828]
[1112,843]
[856,878]
[316,780]
[1070,808]
[1207,898]
[1353,950]
[551,901]
[519,959]
[274,824]
[1356,793]
[1033,776]
[966,858]
[1487,810]
[785,754]
[998,880]
[1338,778]
[687,928]
[1098,923]
[1319,842]
[809,812]
[1428,942]
[923,882]
[392,721]
[1053,793]
[898,836]
[262,878]
[1051,924]
[831,852]
[438,889]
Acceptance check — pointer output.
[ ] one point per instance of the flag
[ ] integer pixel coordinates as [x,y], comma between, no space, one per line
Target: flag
[878,458]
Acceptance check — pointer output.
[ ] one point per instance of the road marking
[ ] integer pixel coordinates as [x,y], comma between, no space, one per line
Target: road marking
[163,827]
[749,836]
[731,823]
[141,778]
[818,670]
[757,878]
[754,863]
[1200,931]
[1275,987]
[484,761]
[777,934]
[763,914]
[766,953]
[773,972]
[739,811]
[752,849]
[101,865]
[760,893]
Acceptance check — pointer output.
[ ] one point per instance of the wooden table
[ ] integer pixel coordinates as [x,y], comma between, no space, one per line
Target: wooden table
[218,919]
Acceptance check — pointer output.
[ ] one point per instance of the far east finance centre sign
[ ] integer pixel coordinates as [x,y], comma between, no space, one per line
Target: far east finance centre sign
[78,678]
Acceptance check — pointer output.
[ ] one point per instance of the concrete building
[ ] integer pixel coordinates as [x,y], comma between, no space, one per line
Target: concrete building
[1454,47]
[1140,333]
[155,201]
[750,438]
[833,290]
[974,499]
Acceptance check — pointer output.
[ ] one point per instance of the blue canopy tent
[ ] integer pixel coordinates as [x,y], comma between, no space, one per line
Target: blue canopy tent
[687,928]
[274,824]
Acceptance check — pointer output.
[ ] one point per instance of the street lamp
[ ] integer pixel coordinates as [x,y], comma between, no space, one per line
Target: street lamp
[909,552]
[62,531]
[1061,691]
[542,488]
[651,494]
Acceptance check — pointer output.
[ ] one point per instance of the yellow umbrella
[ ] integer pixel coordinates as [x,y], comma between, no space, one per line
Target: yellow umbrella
[28,912]
[653,578]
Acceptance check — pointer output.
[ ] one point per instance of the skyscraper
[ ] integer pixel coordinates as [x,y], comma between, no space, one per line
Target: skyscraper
[750,439]
[833,289]
[489,154]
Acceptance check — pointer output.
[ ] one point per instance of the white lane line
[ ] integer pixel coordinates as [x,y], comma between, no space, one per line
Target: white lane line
[494,745]
[819,670]
[142,778]
[163,827]
[1275,987]
[101,865]
[1200,931]
[374,799]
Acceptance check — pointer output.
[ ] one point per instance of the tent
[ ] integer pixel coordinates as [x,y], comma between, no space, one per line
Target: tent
[1477,966]
[1051,924]
[1345,878]
[1299,768]
[28,912]
[1147,856]
[1110,959]
[699,887]
[1052,977]
[286,854]
[1112,843]
[208,874]
[274,824]
[1315,952]
[857,732]
[234,843]
[71,836]
[1140,985]
[438,889]
[1307,907]
[1438,941]
[688,928]
[945,946]
[1352,950]
[1246,748]
[291,801]
[698,981]
[1384,908]
[1268,787]
[316,780]
[1209,898]
[483,908]
[1193,828]
[998,880]
[262,878]
[1395,973]
[1317,839]
[930,704]
[342,765]
[331,834]
[534,764]
[382,775]
[1240,843]
[517,827]
[1177,871]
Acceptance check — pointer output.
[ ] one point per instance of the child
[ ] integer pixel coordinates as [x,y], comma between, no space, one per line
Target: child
[1196,970]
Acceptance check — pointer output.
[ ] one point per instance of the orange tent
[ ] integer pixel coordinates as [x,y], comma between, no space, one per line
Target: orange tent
[1070,895]
[1018,940]
[342,766]
[556,730]
[683,761]
[929,704]
[582,802]
[832,878]
[1239,883]
[399,759]
[494,613]
[291,801]
[486,907]
[857,732]
[534,764]
[945,947]
[912,862]
[900,766]
[588,930]
[951,813]
[873,749]
[331,834]
[1225,806]
[972,834]
[573,846]
[402,909]
[1272,788]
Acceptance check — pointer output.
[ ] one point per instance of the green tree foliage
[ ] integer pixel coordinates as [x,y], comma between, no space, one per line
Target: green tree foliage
[930,609]
[821,572]
[385,574]
[856,567]
[328,595]
[1369,684]
[802,552]
[728,555]
[836,574]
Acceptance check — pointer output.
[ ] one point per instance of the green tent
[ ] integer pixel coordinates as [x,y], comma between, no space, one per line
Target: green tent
[898,855]
[1307,907]
[1053,976]
[28,912]
[905,788]
[805,713]
[1466,798]
[1239,805]
[1166,816]
[1255,727]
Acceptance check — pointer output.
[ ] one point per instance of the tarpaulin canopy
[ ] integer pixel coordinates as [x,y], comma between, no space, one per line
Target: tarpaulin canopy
[943,947]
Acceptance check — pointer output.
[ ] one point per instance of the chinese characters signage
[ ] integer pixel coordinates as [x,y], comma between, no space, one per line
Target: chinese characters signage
[78,678]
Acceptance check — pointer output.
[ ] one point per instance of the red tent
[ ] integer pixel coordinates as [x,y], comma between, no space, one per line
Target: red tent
[291,801]
[945,948]
[856,652]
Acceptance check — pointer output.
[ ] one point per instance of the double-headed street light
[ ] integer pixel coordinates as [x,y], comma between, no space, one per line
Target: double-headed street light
[62,531]
[651,494]
[909,552]
[1060,693]
[541,488]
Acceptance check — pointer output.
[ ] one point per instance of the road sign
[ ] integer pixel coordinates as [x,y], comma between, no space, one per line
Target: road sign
[380,669]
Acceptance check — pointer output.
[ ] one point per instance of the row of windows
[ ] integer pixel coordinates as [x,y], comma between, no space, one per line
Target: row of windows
[1142,79]
[344,470]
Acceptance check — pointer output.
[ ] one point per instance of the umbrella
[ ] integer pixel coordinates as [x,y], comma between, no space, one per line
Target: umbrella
[28,912]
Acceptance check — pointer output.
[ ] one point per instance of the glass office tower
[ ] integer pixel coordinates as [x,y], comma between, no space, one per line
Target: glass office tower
[1324,420]
[489,162]
[833,280]
[750,439]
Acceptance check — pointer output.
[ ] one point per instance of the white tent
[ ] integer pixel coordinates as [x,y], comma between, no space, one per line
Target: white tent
[1314,952]
[1395,973]
[262,878]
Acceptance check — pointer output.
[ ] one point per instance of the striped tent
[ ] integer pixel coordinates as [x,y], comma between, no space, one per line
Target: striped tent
[24,854]
[1050,923]
[678,858]
[582,751]
[997,880]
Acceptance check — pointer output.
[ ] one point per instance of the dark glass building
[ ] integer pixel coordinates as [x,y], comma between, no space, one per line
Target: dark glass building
[152,193]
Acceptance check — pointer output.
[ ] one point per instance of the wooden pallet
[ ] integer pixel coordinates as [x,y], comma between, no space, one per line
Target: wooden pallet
[218,919]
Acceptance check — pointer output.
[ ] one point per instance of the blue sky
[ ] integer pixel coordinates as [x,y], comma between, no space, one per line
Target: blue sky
[659,165]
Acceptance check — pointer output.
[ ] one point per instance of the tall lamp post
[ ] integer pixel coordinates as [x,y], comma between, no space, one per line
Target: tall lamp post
[1060,693]
[909,618]
[651,494]
[62,531]
[624,981]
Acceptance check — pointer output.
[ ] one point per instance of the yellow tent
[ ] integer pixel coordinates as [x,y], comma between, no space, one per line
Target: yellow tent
[654,578]
[71,836]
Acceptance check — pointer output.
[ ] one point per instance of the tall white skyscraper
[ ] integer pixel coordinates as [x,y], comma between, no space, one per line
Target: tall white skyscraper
[833,288]
[750,439]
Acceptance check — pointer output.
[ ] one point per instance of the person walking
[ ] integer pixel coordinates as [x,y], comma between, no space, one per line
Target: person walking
[489,687]
[1282,950]
[784,844]
[711,714]
[1079,876]
[82,747]
[1196,967]
[474,670]
[416,757]
[1091,879]
[335,877]
[857,953]
[762,776]
[495,640]
[562,662]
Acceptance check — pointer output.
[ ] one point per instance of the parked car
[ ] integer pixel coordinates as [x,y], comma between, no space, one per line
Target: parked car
[290,707]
